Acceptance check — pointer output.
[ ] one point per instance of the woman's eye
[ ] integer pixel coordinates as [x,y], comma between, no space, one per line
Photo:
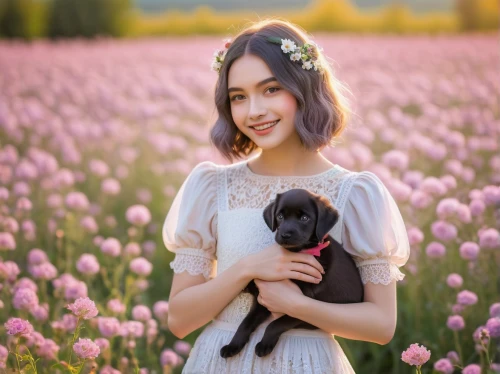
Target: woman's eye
[274,88]
[234,97]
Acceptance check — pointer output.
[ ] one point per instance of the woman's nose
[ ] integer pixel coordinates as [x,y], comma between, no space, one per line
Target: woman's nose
[256,110]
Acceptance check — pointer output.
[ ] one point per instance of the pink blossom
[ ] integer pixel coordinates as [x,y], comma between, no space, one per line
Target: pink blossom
[477,207]
[108,326]
[444,231]
[160,310]
[18,327]
[103,343]
[25,299]
[3,356]
[495,310]
[491,195]
[466,298]
[108,369]
[24,204]
[444,366]
[416,355]
[455,323]
[453,357]
[447,208]
[25,283]
[138,215]
[111,247]
[110,186]
[36,257]
[133,329]
[493,326]
[7,241]
[454,280]
[433,186]
[170,358]
[77,201]
[396,159]
[182,347]
[141,266]
[489,238]
[98,167]
[449,181]
[89,224]
[86,349]
[45,271]
[420,199]
[472,369]
[75,289]
[132,249]
[41,312]
[48,349]
[469,251]
[141,313]
[116,306]
[9,270]
[84,308]
[435,250]
[463,213]
[88,264]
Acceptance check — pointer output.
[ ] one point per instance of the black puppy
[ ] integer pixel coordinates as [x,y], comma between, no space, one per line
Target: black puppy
[302,219]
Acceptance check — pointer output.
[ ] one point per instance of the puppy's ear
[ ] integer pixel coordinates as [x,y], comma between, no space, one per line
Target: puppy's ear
[270,214]
[327,217]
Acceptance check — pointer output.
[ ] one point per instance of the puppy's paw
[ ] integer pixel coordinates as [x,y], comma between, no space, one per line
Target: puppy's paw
[231,350]
[263,348]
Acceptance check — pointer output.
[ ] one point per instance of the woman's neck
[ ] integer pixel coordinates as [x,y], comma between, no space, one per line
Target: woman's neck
[293,163]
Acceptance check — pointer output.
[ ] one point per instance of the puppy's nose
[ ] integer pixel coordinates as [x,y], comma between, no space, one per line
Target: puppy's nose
[286,235]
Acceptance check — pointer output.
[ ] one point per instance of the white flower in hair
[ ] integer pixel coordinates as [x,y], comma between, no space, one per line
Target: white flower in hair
[216,66]
[287,45]
[295,56]
[307,65]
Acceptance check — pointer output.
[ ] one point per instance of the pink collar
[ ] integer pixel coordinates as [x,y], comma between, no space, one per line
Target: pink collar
[315,251]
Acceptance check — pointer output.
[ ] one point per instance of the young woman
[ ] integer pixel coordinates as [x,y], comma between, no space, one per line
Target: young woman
[276,94]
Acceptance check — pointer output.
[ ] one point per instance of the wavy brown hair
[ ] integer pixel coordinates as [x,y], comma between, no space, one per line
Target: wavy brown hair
[322,108]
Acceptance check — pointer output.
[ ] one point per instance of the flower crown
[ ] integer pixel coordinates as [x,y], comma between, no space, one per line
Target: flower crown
[304,54]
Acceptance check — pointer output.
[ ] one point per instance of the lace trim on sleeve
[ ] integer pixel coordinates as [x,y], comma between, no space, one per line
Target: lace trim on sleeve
[193,260]
[379,272]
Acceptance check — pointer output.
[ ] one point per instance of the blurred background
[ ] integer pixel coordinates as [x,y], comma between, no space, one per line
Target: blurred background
[106,107]
[30,19]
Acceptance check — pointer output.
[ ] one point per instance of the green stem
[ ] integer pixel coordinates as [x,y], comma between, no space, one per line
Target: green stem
[17,356]
[75,334]
[458,347]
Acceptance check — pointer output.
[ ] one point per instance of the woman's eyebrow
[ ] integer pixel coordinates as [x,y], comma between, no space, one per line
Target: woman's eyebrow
[267,80]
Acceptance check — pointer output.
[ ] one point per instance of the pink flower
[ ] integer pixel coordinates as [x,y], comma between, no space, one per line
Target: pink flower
[108,326]
[435,250]
[160,310]
[170,358]
[48,349]
[77,201]
[116,306]
[9,270]
[141,313]
[141,266]
[132,249]
[103,343]
[455,323]
[447,208]
[88,264]
[110,186]
[469,251]
[111,246]
[466,298]
[182,347]
[7,241]
[444,231]
[84,308]
[138,215]
[472,369]
[415,235]
[444,365]
[416,355]
[36,257]
[396,159]
[477,207]
[132,329]
[495,310]
[489,238]
[18,327]
[493,326]
[98,167]
[108,369]
[420,199]
[86,348]
[45,271]
[89,224]
[25,299]
[454,280]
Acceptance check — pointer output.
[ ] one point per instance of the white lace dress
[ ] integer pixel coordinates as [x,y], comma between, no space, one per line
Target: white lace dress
[216,219]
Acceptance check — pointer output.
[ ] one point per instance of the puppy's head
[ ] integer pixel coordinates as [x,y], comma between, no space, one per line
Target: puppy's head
[301,218]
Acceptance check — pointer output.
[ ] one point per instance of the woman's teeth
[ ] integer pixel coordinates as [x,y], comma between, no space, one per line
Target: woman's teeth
[266,126]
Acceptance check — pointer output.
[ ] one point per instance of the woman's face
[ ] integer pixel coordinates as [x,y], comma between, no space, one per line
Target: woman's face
[256,97]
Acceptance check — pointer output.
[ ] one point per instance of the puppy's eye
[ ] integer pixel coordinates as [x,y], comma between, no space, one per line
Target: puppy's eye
[280,216]
[304,218]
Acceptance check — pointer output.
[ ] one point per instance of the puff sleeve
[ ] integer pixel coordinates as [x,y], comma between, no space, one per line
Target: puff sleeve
[190,228]
[374,232]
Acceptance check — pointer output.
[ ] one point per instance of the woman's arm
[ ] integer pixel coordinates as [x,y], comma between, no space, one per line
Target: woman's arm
[194,302]
[373,320]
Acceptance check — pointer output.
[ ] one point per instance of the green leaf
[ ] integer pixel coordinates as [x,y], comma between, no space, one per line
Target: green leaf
[274,39]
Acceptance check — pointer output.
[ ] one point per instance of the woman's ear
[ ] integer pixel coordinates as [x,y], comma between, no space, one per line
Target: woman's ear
[270,213]
[327,217]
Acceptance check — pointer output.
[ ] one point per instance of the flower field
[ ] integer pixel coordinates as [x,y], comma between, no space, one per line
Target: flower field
[97,136]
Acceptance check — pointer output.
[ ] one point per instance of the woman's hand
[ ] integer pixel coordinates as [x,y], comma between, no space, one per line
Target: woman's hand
[275,263]
[278,297]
